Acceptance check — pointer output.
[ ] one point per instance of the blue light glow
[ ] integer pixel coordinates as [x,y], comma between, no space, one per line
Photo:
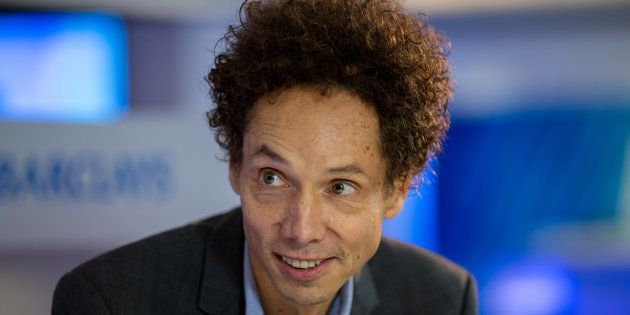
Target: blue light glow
[533,287]
[68,67]
[417,222]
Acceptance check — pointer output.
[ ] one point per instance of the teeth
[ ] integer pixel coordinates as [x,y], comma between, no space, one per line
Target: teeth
[302,264]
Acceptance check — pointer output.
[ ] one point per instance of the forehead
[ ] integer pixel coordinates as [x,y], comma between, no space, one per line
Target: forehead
[338,105]
[303,122]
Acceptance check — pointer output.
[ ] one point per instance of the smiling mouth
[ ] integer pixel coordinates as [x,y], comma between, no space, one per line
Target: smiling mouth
[301,264]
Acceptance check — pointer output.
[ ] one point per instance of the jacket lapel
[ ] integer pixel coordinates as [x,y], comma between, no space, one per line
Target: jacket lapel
[365,298]
[221,289]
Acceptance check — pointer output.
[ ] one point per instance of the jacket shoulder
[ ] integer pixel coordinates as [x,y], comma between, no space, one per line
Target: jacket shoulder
[409,278]
[161,251]
[160,273]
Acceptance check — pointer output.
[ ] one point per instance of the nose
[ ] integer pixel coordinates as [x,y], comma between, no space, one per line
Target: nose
[304,220]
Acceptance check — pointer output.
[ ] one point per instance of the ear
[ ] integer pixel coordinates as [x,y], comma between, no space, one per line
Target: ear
[235,171]
[396,198]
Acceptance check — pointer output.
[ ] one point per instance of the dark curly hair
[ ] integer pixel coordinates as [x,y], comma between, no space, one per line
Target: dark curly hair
[391,60]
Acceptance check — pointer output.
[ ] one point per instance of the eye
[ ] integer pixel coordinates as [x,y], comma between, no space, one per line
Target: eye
[342,189]
[270,178]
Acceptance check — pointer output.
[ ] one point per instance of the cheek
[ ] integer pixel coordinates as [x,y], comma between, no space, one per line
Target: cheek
[260,218]
[365,237]
[255,223]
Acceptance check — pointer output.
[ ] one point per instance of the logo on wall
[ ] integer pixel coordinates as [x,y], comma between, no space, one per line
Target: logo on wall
[86,177]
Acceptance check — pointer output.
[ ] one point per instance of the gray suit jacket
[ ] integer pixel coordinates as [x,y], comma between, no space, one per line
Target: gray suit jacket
[197,269]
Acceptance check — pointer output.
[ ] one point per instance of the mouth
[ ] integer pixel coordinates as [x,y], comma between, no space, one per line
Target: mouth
[303,270]
[301,264]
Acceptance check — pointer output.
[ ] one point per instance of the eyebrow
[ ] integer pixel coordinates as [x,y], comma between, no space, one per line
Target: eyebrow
[266,151]
[351,168]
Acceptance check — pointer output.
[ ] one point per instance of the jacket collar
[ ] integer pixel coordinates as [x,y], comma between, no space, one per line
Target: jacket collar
[365,298]
[221,289]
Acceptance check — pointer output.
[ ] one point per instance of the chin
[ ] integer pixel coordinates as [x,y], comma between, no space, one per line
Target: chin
[306,296]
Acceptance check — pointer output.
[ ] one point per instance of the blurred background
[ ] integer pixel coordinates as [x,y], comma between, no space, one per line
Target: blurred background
[103,141]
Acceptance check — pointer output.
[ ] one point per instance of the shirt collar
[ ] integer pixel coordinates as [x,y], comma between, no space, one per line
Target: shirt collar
[340,306]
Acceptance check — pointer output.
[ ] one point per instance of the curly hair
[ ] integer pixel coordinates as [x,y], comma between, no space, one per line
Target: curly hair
[391,60]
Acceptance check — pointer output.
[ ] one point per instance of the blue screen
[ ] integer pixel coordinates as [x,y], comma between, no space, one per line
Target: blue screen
[62,67]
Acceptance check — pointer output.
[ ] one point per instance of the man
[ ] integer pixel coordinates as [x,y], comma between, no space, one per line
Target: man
[327,111]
